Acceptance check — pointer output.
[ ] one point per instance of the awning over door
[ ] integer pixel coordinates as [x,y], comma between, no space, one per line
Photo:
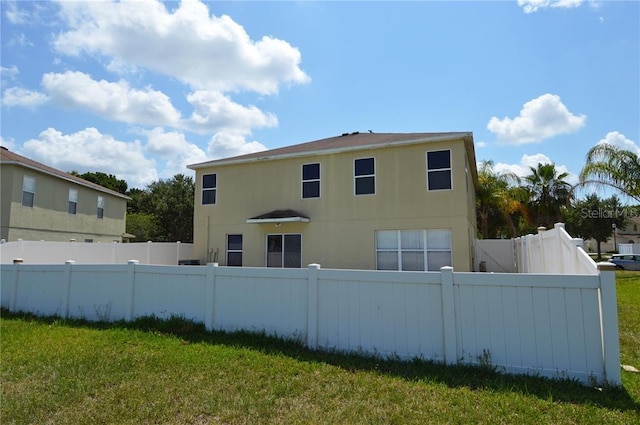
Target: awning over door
[280,216]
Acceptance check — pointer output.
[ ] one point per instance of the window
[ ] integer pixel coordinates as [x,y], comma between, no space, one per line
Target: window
[439,170]
[417,250]
[100,212]
[72,206]
[365,176]
[209,188]
[28,191]
[234,250]
[284,251]
[310,181]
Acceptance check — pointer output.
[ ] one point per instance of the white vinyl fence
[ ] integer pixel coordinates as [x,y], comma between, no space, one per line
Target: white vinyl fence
[496,255]
[550,325]
[47,252]
[553,251]
[629,248]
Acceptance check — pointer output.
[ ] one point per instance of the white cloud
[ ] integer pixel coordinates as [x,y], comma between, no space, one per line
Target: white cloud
[175,150]
[207,52]
[531,6]
[229,143]
[523,168]
[620,140]
[8,143]
[14,14]
[10,73]
[16,96]
[116,101]
[215,111]
[90,151]
[539,119]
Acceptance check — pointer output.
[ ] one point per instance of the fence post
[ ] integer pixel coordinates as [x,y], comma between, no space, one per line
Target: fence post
[448,315]
[67,290]
[543,268]
[149,243]
[210,296]
[17,262]
[312,306]
[178,252]
[609,323]
[131,276]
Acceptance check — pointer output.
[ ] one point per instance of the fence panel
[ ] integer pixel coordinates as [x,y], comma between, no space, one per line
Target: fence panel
[164,291]
[381,312]
[255,299]
[100,292]
[552,325]
[541,323]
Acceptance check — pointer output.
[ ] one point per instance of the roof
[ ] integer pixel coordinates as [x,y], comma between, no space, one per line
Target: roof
[346,142]
[12,158]
[280,216]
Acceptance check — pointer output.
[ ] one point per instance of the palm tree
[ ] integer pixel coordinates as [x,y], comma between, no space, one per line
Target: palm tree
[549,193]
[497,200]
[611,166]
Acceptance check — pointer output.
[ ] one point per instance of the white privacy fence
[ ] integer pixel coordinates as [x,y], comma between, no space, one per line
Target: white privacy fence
[46,252]
[629,248]
[551,325]
[553,251]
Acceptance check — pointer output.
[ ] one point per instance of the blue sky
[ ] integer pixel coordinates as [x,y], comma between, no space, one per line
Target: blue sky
[140,89]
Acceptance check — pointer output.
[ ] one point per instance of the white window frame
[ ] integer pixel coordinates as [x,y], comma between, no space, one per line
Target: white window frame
[100,208]
[28,186]
[319,180]
[235,251]
[450,169]
[73,201]
[213,189]
[356,177]
[425,249]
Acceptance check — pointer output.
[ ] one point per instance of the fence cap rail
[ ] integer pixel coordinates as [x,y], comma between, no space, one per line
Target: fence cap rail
[606,266]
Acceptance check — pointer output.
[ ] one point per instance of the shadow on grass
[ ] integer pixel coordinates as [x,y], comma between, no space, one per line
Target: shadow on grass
[472,377]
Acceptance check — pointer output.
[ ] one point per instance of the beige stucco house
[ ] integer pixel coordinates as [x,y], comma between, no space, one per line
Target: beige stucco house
[39,202]
[394,201]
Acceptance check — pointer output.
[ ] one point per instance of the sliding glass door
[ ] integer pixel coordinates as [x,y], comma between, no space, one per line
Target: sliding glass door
[284,250]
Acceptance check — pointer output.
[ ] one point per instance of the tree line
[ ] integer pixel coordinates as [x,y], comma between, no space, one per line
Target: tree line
[161,212]
[511,206]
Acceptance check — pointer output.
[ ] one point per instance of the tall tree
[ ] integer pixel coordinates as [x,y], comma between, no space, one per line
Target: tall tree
[549,193]
[593,218]
[611,166]
[171,204]
[498,198]
[105,180]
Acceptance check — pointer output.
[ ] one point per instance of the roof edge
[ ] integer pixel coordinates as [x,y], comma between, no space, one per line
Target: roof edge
[267,157]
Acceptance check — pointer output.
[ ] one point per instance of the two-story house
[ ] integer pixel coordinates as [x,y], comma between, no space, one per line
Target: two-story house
[394,201]
[39,202]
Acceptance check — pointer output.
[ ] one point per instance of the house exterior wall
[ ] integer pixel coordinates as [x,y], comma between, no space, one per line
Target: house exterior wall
[49,218]
[341,231]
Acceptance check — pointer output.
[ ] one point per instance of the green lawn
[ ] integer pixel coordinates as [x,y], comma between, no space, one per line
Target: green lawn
[73,372]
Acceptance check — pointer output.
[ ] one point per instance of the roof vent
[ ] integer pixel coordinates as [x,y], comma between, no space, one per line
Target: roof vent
[356,132]
[344,134]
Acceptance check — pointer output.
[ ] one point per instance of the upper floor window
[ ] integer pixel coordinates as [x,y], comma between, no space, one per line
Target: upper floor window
[100,213]
[311,180]
[28,191]
[72,206]
[439,170]
[209,189]
[365,176]
[234,250]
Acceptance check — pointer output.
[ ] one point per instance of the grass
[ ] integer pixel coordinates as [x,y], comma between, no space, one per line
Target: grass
[150,371]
